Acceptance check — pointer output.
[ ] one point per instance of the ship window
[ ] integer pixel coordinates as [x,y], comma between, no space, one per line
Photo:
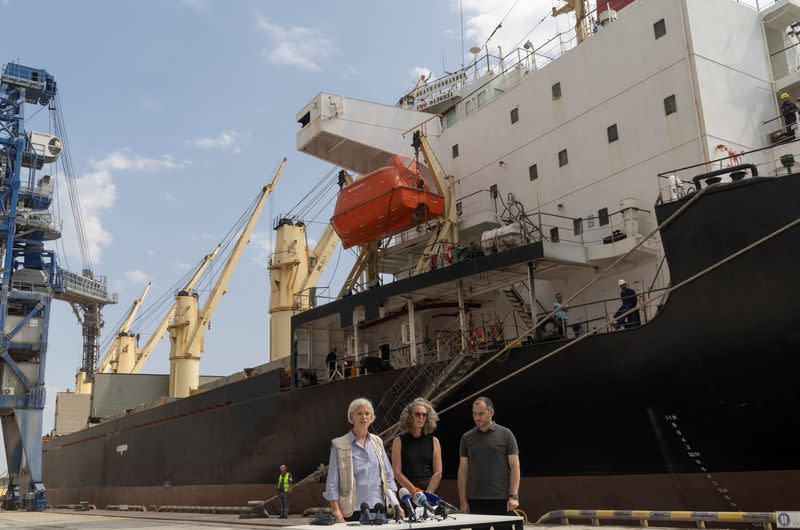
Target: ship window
[554,234]
[533,172]
[613,134]
[305,119]
[455,150]
[458,208]
[481,98]
[660,28]
[556,91]
[470,106]
[450,119]
[602,214]
[670,105]
[563,160]
[577,226]
[515,115]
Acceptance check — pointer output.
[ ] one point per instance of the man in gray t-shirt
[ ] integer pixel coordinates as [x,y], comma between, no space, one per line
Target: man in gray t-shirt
[488,471]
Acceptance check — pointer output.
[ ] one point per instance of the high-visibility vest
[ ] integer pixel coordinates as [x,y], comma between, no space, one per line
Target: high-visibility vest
[287,482]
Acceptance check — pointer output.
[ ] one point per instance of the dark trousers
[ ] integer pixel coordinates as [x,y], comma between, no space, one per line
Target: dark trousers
[490,507]
[284,495]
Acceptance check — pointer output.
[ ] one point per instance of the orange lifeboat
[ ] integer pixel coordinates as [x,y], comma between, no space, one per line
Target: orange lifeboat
[383,203]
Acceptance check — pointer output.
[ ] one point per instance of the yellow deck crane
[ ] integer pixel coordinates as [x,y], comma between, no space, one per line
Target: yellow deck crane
[293,273]
[142,355]
[123,356]
[188,327]
[122,336]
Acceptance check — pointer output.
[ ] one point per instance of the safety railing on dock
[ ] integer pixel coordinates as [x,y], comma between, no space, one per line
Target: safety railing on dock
[644,517]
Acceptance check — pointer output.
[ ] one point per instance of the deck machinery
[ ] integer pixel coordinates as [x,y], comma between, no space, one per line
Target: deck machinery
[31,277]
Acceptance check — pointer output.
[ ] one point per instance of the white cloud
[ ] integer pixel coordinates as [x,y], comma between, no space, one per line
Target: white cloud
[183,266]
[224,141]
[168,197]
[296,46]
[137,276]
[202,6]
[481,17]
[262,244]
[124,159]
[421,71]
[97,194]
[149,252]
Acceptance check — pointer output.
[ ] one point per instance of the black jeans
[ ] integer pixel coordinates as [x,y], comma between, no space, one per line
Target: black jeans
[490,507]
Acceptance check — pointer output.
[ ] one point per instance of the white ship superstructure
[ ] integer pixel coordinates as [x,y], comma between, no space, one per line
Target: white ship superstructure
[578,140]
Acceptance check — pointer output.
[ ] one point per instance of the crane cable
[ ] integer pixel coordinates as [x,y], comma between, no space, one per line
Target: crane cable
[72,187]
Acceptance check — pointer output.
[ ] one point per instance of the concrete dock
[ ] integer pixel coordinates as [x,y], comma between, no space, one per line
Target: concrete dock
[105,519]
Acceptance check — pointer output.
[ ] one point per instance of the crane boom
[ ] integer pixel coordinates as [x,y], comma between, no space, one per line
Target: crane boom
[322,253]
[126,324]
[233,260]
[144,353]
[447,231]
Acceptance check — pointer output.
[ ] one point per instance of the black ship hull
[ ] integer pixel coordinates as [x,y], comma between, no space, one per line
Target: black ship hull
[694,410]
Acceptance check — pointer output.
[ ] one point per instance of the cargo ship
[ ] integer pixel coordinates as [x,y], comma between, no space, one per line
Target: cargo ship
[647,148]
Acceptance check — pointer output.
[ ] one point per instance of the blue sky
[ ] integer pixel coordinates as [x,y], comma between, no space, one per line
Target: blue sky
[179,111]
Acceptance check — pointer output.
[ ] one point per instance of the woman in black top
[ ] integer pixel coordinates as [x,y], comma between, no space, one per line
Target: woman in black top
[416,453]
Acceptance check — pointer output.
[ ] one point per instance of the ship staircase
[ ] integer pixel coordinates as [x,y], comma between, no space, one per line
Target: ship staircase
[426,381]
[31,275]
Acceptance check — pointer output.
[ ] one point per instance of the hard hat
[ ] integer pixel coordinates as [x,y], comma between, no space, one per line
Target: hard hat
[785,96]
[621,282]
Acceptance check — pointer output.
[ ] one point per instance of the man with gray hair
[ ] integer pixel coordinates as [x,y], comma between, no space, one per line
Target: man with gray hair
[488,470]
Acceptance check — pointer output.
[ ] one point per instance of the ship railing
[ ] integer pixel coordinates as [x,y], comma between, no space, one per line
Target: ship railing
[601,228]
[71,284]
[774,160]
[564,517]
[312,297]
[594,315]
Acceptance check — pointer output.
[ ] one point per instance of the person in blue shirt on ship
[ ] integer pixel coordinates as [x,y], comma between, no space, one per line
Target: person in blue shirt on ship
[359,470]
[560,316]
[629,301]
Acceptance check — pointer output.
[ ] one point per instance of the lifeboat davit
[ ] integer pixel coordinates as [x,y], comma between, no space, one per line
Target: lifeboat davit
[385,202]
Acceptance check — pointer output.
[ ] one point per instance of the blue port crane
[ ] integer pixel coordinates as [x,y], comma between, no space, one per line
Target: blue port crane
[32,277]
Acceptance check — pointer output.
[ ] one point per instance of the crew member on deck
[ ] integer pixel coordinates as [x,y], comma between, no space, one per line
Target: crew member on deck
[416,453]
[789,111]
[560,315]
[629,301]
[359,470]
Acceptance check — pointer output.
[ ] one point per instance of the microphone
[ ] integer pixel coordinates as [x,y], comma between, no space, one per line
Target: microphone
[395,505]
[438,501]
[422,501]
[408,504]
[380,514]
[365,515]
